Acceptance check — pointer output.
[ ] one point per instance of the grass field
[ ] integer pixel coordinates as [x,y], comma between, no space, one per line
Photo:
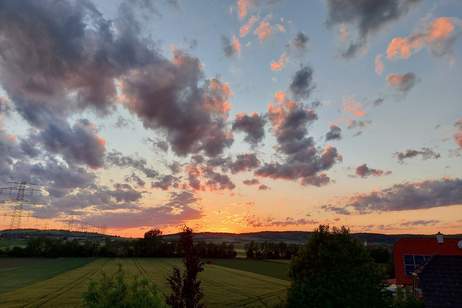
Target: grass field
[224,285]
[275,269]
[19,272]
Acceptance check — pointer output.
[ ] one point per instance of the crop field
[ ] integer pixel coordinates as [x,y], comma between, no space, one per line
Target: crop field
[224,285]
[273,268]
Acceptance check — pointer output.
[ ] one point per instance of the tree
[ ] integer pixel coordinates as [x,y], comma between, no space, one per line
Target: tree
[186,287]
[335,270]
[152,234]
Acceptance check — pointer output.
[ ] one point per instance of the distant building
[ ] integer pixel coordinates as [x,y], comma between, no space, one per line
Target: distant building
[411,254]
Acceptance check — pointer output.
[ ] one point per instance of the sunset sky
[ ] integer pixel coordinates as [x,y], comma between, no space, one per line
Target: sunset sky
[233,116]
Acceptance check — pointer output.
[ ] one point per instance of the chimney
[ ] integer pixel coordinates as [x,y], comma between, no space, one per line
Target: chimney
[440,238]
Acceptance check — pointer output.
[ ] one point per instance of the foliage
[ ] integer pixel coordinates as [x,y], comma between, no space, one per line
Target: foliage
[334,270]
[152,245]
[405,299]
[186,287]
[270,250]
[382,255]
[115,292]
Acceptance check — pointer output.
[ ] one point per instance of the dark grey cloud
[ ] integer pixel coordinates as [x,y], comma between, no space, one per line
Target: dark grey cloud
[166,182]
[68,56]
[336,209]
[256,222]
[95,198]
[78,56]
[420,222]
[122,122]
[134,178]
[158,144]
[425,153]
[302,83]
[179,209]
[116,158]
[263,187]
[300,41]
[193,117]
[300,158]
[244,162]
[229,48]
[378,101]
[252,125]
[334,133]
[407,196]
[217,181]
[79,144]
[359,124]
[251,182]
[364,171]
[403,83]
[368,17]
[203,176]
[56,177]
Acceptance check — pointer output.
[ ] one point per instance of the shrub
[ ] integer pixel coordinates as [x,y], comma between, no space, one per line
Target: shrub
[115,292]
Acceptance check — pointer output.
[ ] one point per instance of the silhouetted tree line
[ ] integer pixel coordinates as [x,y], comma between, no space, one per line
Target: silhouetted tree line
[152,245]
[270,250]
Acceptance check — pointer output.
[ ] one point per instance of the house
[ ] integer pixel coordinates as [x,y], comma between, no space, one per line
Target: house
[440,282]
[410,254]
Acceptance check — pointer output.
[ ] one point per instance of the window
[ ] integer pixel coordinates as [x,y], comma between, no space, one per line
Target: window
[411,263]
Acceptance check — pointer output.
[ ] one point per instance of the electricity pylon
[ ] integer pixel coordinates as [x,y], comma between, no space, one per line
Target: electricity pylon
[19,190]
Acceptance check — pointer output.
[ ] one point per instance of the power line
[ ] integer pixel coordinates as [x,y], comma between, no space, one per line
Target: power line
[19,190]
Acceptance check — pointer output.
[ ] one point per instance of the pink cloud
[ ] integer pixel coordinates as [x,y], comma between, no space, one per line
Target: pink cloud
[263,30]
[243,7]
[354,107]
[438,36]
[245,29]
[279,64]
[236,45]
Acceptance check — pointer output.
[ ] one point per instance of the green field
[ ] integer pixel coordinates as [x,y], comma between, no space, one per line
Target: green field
[274,268]
[225,284]
[19,272]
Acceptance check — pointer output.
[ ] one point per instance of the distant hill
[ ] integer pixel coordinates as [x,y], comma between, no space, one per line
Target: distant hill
[296,237]
[52,233]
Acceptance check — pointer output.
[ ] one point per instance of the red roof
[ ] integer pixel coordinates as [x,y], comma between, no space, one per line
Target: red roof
[427,247]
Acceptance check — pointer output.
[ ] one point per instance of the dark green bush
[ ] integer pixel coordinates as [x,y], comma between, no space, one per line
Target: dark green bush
[114,291]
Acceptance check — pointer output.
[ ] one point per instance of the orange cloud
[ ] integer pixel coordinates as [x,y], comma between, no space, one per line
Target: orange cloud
[245,29]
[378,65]
[279,96]
[352,106]
[243,7]
[279,64]
[458,138]
[436,37]
[236,45]
[263,30]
